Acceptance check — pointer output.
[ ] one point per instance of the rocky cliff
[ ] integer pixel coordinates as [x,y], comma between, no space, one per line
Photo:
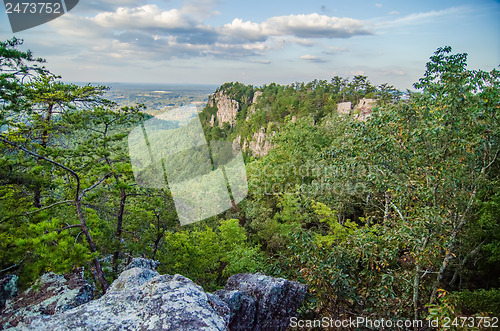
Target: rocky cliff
[227,108]
[257,140]
[141,299]
[361,112]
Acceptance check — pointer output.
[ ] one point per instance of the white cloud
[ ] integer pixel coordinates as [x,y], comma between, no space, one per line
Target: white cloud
[244,30]
[262,61]
[301,26]
[419,18]
[378,5]
[390,72]
[148,32]
[312,58]
[355,73]
[148,16]
[200,9]
[107,5]
[335,50]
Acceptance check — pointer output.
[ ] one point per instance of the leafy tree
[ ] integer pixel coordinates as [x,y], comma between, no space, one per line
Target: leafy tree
[37,137]
[209,256]
[428,159]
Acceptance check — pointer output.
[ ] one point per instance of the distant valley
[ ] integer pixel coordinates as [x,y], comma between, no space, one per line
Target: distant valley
[158,98]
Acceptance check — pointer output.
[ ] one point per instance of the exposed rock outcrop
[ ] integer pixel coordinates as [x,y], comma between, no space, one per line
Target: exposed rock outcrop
[256,96]
[344,108]
[237,144]
[51,294]
[361,111]
[141,299]
[260,144]
[364,108]
[142,263]
[259,302]
[8,289]
[251,109]
[227,108]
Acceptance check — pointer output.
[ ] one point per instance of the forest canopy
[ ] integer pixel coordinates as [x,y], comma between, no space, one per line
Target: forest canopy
[395,216]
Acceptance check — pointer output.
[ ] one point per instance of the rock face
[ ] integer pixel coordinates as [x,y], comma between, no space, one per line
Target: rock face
[344,108]
[364,109]
[8,289]
[141,299]
[259,302]
[51,294]
[361,111]
[142,263]
[260,144]
[251,109]
[238,145]
[227,108]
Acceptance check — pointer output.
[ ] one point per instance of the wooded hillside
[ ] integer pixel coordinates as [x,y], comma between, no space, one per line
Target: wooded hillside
[394,216]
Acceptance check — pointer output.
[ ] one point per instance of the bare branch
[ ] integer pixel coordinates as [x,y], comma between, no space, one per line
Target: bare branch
[93,186]
[73,173]
[491,163]
[69,227]
[397,209]
[38,210]
[12,267]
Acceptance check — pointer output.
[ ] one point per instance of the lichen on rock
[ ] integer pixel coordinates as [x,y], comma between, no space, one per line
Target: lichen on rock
[141,299]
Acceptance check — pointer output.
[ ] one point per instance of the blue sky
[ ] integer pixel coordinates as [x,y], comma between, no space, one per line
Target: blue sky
[259,42]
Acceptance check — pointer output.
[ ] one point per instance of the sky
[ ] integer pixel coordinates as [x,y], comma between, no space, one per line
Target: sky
[261,41]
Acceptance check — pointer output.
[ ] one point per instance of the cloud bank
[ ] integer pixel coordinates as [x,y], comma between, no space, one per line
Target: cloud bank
[149,31]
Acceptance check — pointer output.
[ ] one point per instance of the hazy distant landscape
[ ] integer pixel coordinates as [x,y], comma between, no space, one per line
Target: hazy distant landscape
[157,97]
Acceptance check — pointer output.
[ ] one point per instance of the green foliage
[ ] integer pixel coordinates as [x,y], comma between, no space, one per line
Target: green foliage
[336,232]
[443,310]
[209,256]
[449,306]
[417,181]
[382,217]
[480,301]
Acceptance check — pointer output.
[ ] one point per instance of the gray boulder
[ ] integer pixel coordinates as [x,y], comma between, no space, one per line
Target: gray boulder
[260,302]
[51,294]
[140,262]
[8,289]
[141,299]
[243,309]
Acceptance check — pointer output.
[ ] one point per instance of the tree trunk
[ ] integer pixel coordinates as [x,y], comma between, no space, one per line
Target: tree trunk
[157,243]
[119,227]
[451,247]
[416,285]
[37,196]
[386,208]
[97,265]
[464,262]
[416,281]
[98,272]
